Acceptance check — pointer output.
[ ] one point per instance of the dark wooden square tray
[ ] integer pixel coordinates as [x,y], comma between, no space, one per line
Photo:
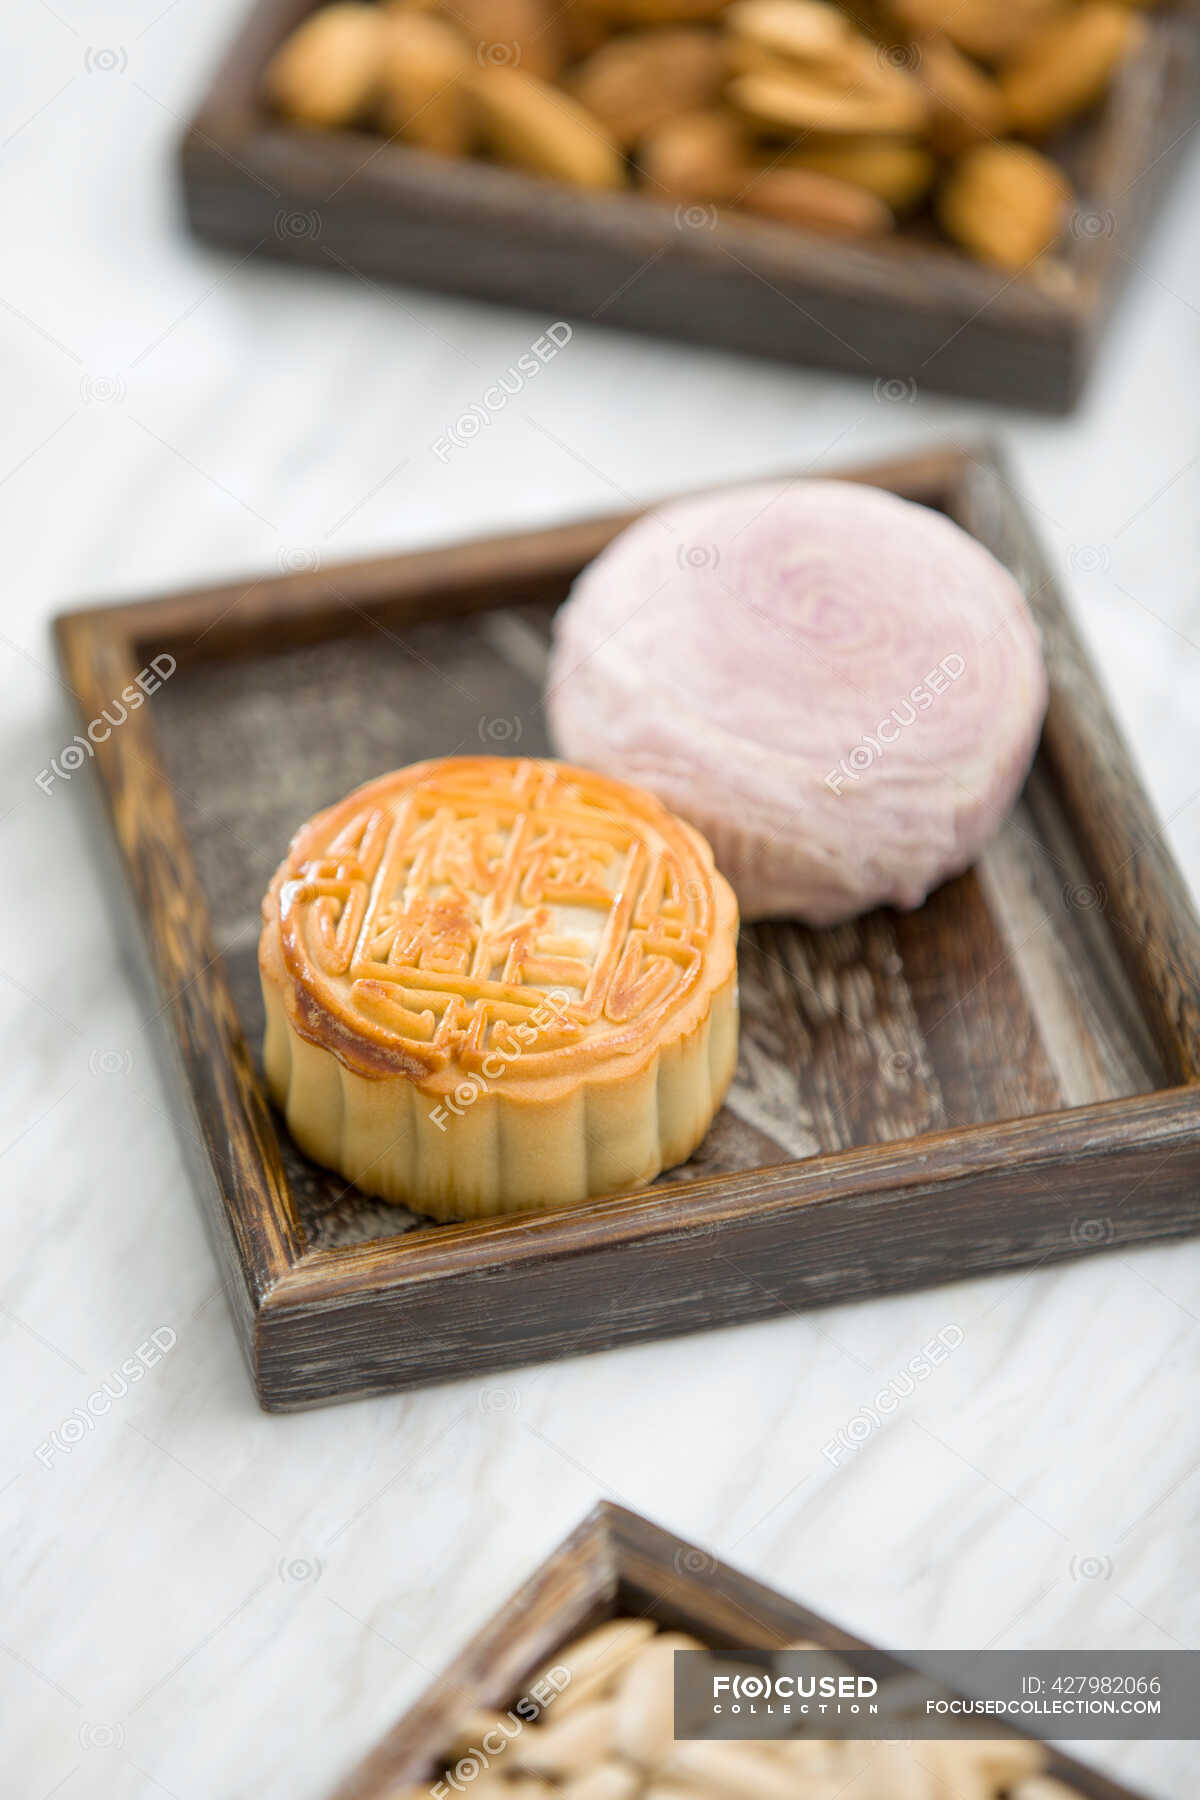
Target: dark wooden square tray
[998,1079]
[616,1563]
[908,310]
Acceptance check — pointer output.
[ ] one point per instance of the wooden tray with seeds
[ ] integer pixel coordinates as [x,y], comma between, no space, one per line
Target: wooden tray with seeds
[907,311]
[617,1565]
[1003,1077]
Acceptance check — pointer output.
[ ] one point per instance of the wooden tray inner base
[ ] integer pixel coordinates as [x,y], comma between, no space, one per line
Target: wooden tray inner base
[1000,998]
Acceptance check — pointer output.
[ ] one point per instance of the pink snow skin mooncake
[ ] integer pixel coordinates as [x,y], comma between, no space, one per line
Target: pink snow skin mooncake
[841,689]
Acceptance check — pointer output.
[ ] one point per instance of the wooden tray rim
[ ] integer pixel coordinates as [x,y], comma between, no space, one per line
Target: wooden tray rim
[581,1580]
[249,1194]
[1130,135]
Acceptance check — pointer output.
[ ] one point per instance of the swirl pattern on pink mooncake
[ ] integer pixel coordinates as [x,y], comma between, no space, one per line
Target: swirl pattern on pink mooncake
[841,689]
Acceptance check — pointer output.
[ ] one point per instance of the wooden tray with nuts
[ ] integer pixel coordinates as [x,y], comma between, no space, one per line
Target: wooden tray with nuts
[932,193]
[567,1694]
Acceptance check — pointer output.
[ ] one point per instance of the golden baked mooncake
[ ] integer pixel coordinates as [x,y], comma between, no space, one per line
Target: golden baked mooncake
[495,984]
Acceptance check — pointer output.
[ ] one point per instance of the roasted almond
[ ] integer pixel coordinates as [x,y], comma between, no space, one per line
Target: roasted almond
[1065,66]
[965,105]
[584,28]
[636,82]
[525,34]
[900,173]
[1004,203]
[988,29]
[803,30]
[326,72]
[805,197]
[527,122]
[800,101]
[660,12]
[702,156]
[423,98]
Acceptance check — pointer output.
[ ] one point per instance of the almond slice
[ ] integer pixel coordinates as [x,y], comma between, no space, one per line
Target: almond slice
[645,1699]
[566,1746]
[593,1661]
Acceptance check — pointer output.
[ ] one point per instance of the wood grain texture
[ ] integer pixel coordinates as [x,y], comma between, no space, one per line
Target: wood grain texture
[1135,881]
[906,308]
[617,1563]
[986,1083]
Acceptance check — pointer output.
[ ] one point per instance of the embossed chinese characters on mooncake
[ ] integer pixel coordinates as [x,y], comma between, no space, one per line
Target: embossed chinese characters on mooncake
[495,983]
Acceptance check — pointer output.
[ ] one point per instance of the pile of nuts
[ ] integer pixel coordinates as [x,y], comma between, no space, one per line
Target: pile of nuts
[607,1733]
[842,119]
